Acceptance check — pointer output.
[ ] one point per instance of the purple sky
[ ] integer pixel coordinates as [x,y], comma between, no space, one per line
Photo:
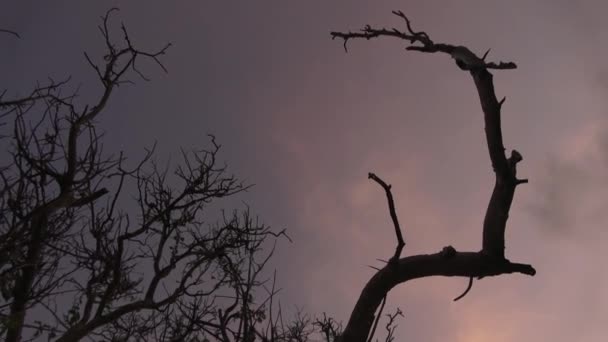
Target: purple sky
[305,122]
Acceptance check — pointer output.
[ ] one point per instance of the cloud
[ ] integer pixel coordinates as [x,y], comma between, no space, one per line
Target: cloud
[573,186]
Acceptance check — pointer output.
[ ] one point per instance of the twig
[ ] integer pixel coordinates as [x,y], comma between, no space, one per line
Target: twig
[467,290]
[11,32]
[373,332]
[390,326]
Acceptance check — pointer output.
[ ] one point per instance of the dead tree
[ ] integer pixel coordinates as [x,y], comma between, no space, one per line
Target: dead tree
[490,261]
[117,251]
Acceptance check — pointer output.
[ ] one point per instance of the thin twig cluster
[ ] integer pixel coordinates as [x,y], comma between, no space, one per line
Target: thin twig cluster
[131,247]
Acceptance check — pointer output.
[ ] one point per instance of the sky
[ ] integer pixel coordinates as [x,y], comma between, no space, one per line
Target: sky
[305,122]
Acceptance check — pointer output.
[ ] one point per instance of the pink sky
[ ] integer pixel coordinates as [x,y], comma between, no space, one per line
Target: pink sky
[305,122]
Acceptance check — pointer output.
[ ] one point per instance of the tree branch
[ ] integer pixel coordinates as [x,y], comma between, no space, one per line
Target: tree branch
[378,315]
[465,59]
[393,213]
[453,264]
[466,290]
[10,32]
[491,260]
[34,158]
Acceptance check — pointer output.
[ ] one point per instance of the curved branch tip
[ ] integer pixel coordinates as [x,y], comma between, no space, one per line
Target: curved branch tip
[465,291]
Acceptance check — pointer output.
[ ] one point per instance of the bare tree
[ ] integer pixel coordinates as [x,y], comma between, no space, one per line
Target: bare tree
[80,258]
[490,261]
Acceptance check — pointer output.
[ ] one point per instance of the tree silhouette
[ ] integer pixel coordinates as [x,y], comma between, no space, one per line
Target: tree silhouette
[490,261]
[77,251]
[98,264]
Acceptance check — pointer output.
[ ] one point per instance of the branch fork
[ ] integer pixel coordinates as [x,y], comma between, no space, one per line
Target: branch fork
[490,261]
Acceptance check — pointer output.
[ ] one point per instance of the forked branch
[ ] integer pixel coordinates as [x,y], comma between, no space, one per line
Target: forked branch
[491,260]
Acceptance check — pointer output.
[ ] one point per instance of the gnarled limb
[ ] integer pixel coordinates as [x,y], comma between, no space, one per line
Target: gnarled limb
[447,263]
[490,261]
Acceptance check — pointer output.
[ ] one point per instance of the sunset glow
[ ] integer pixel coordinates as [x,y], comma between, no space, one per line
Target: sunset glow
[305,122]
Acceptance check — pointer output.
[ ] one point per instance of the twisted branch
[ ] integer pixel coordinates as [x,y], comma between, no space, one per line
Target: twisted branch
[490,261]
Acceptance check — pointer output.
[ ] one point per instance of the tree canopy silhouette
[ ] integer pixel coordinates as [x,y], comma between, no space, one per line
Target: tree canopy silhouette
[93,246]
